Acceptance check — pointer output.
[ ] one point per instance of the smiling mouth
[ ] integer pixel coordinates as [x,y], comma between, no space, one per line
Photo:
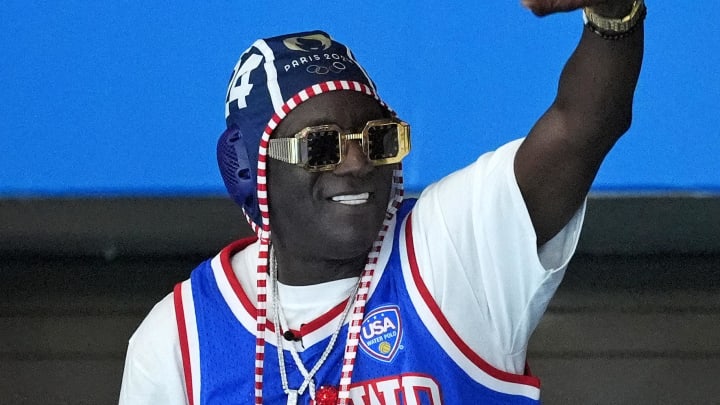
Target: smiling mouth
[351,199]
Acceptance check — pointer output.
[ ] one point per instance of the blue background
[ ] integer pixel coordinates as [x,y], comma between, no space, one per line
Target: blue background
[126,98]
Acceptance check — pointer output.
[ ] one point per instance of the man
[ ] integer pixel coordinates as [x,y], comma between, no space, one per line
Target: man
[436,307]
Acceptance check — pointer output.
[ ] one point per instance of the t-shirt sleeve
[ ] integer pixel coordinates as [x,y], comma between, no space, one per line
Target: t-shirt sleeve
[153,366]
[476,251]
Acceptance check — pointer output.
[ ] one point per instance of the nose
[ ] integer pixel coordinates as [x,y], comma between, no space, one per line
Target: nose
[355,162]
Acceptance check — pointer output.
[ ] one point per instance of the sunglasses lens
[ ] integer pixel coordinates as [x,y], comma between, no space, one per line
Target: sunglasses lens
[323,148]
[383,141]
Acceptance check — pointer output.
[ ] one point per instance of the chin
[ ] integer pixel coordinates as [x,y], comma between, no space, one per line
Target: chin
[349,246]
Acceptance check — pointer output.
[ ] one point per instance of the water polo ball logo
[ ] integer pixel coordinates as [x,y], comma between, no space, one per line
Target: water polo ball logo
[381,333]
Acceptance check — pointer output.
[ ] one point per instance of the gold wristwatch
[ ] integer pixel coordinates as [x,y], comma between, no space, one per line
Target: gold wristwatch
[614,28]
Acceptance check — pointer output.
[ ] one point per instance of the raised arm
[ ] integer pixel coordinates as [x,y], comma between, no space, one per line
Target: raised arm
[557,163]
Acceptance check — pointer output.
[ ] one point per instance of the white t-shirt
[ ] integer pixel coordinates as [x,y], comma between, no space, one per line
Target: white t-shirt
[476,251]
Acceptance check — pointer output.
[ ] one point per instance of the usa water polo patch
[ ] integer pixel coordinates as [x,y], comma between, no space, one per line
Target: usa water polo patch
[381,333]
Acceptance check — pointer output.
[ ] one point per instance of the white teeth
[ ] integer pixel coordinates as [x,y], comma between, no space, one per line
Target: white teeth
[352,199]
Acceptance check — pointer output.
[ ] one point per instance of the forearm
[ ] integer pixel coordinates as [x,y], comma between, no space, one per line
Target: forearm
[597,85]
[559,159]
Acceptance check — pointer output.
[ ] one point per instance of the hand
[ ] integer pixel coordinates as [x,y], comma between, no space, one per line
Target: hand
[608,8]
[544,7]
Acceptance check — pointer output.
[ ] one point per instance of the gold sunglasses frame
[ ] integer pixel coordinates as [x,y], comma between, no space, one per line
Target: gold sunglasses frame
[294,150]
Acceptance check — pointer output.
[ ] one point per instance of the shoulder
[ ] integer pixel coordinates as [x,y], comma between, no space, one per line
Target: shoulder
[157,330]
[153,365]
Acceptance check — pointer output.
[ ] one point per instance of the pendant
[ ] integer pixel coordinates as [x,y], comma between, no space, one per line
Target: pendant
[326,395]
[292,397]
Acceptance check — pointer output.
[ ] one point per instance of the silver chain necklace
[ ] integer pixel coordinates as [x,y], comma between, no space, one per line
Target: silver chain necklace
[280,322]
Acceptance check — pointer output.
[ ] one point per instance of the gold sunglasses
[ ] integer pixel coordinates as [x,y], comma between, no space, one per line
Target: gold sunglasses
[322,147]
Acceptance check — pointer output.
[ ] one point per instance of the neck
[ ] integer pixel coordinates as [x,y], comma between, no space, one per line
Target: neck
[300,270]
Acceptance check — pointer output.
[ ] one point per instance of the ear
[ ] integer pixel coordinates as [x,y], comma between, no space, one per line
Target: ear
[237,170]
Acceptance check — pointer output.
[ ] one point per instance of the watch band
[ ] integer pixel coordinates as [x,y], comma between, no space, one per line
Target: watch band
[615,28]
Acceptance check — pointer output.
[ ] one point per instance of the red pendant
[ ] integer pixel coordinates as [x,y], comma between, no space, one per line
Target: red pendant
[326,395]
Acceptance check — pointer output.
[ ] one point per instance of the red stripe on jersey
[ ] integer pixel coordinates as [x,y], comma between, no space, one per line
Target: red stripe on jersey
[184,349]
[226,263]
[440,317]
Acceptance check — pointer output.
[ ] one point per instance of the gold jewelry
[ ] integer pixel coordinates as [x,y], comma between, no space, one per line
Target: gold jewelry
[322,147]
[615,28]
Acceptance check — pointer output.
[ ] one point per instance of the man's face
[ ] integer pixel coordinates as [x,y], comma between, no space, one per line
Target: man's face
[330,215]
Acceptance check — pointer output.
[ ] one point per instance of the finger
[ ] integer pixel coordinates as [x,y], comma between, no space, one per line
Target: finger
[545,7]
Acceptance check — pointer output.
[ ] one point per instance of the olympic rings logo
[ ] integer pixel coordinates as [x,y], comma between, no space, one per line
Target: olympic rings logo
[336,67]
